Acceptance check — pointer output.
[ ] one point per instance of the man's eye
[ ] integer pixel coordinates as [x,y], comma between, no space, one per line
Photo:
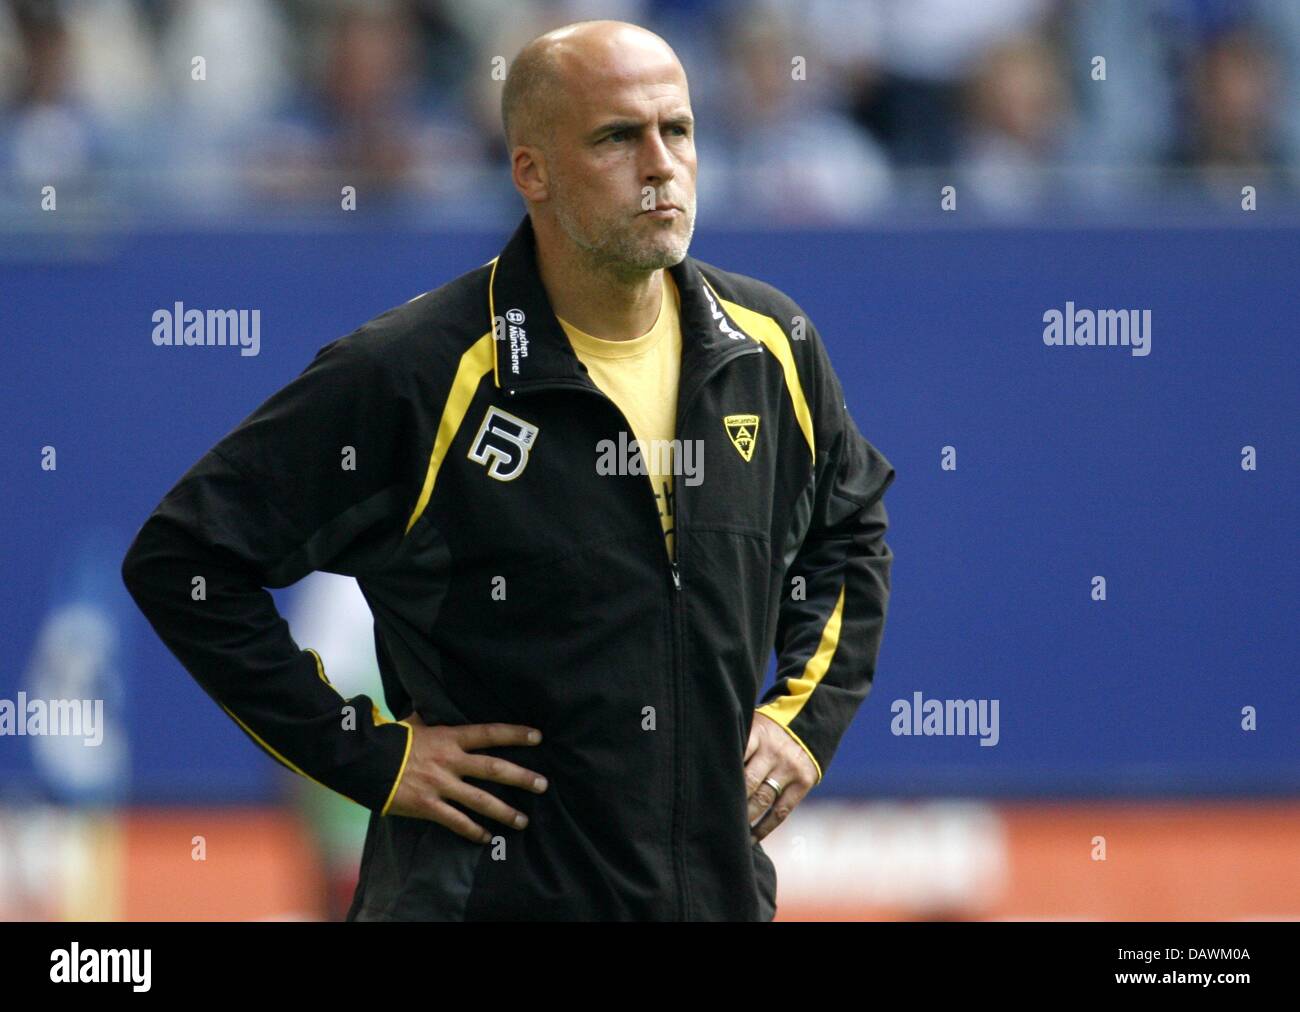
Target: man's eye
[616,135]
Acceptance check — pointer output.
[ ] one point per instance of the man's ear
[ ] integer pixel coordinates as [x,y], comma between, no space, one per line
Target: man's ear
[530,173]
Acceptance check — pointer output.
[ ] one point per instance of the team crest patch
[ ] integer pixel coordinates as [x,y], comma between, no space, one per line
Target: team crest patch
[503,444]
[743,430]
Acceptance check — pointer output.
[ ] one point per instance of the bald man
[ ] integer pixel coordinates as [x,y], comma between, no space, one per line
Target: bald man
[594,484]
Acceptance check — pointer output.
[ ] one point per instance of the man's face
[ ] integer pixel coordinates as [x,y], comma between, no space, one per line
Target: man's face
[625,143]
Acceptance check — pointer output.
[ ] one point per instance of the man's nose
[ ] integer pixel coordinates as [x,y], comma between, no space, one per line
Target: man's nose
[659,163]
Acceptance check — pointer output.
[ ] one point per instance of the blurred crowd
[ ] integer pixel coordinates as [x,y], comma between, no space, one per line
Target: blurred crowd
[808,111]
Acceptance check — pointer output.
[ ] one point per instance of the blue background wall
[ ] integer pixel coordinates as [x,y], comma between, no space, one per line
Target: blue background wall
[1072,462]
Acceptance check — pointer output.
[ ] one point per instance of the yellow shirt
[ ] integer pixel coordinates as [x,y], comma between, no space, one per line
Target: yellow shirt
[640,376]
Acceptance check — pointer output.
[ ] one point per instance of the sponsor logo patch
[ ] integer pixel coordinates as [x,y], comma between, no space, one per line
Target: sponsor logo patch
[503,443]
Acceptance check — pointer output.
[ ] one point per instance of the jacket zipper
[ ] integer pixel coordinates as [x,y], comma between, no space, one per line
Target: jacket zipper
[679,805]
[679,607]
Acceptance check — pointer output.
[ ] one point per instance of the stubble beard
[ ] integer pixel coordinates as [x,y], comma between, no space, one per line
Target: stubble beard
[617,244]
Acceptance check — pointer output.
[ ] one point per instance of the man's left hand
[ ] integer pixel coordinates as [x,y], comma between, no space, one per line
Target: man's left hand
[773,753]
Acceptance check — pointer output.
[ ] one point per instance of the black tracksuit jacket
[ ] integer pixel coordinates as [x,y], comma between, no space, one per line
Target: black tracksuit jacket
[511,581]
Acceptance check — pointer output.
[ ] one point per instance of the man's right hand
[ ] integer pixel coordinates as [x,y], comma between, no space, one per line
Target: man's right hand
[441,756]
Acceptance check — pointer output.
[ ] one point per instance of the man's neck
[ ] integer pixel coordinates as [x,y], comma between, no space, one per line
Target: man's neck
[613,307]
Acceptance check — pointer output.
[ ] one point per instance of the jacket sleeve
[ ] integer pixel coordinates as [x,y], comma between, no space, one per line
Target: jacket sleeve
[272,501]
[832,613]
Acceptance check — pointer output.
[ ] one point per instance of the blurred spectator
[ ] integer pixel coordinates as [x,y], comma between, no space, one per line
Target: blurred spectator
[49,136]
[367,120]
[1232,93]
[788,154]
[223,72]
[925,50]
[1126,119]
[1016,118]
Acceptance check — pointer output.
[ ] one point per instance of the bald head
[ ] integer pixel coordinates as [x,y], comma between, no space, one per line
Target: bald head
[602,149]
[566,66]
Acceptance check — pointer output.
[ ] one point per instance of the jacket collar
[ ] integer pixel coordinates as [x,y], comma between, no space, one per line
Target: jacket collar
[532,347]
